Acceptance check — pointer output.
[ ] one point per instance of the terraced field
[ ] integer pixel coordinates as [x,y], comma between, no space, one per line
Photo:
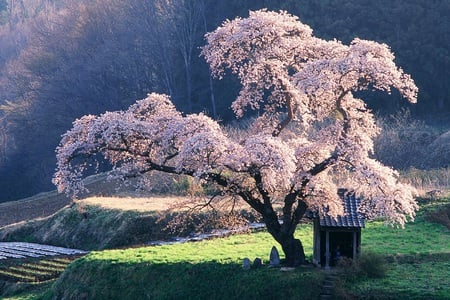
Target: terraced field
[34,270]
[33,263]
[10,250]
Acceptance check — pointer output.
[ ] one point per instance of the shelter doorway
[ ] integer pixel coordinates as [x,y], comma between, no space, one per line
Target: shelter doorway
[340,244]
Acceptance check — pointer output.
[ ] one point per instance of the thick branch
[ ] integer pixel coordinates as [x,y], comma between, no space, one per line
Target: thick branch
[290,111]
[323,165]
[298,214]
[320,167]
[289,201]
[292,217]
[269,215]
[254,203]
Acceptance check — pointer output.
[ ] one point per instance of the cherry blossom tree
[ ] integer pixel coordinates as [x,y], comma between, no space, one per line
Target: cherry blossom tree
[312,134]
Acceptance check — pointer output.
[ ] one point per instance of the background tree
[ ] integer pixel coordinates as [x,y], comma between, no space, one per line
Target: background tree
[61,59]
[83,58]
[407,142]
[311,131]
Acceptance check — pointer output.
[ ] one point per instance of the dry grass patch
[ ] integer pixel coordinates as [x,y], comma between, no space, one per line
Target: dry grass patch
[161,203]
[142,204]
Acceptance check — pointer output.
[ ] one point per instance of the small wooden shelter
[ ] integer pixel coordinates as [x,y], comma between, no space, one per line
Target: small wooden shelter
[339,237]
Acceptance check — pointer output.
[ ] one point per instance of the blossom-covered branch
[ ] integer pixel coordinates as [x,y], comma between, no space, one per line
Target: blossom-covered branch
[312,136]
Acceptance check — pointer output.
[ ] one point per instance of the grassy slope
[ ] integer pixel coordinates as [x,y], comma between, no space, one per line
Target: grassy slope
[87,227]
[96,223]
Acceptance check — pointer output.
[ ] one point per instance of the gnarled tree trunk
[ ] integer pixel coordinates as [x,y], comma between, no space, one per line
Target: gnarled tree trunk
[284,233]
[293,250]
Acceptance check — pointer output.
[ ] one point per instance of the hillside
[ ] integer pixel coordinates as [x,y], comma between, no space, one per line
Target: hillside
[413,254]
[101,192]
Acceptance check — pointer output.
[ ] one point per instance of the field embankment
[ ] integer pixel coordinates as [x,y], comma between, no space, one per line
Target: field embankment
[45,204]
[97,223]
[416,258]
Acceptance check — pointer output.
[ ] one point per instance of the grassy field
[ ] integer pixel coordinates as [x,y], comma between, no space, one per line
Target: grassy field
[417,261]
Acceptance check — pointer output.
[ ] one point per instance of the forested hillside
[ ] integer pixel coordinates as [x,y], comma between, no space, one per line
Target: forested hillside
[61,59]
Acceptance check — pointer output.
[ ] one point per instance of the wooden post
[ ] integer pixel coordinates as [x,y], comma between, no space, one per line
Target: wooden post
[359,242]
[327,250]
[316,243]
[355,244]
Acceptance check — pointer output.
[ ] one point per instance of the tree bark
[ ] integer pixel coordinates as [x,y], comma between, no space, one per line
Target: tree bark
[293,251]
[292,247]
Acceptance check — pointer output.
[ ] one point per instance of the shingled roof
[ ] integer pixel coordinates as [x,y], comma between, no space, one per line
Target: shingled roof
[351,218]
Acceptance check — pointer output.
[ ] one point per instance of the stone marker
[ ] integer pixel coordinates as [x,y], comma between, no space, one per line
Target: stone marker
[274,259]
[257,263]
[246,264]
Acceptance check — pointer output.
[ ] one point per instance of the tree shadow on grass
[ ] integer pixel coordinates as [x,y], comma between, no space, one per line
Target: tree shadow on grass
[212,280]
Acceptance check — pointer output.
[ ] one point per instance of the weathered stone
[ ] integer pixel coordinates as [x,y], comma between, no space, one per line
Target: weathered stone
[274,259]
[246,264]
[257,263]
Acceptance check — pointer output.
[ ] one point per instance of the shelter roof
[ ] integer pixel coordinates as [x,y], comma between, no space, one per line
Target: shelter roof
[352,218]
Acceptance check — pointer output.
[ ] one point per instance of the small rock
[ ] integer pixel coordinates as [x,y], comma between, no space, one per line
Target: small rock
[274,259]
[257,263]
[287,269]
[246,264]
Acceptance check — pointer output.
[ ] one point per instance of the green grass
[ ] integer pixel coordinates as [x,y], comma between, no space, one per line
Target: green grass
[226,250]
[413,280]
[417,257]
[29,292]
[418,237]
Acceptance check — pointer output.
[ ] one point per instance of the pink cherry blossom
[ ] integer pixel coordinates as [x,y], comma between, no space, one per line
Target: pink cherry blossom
[313,135]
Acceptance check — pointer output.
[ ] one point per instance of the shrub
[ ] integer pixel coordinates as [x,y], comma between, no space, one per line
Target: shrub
[441,216]
[367,265]
[428,181]
[372,264]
